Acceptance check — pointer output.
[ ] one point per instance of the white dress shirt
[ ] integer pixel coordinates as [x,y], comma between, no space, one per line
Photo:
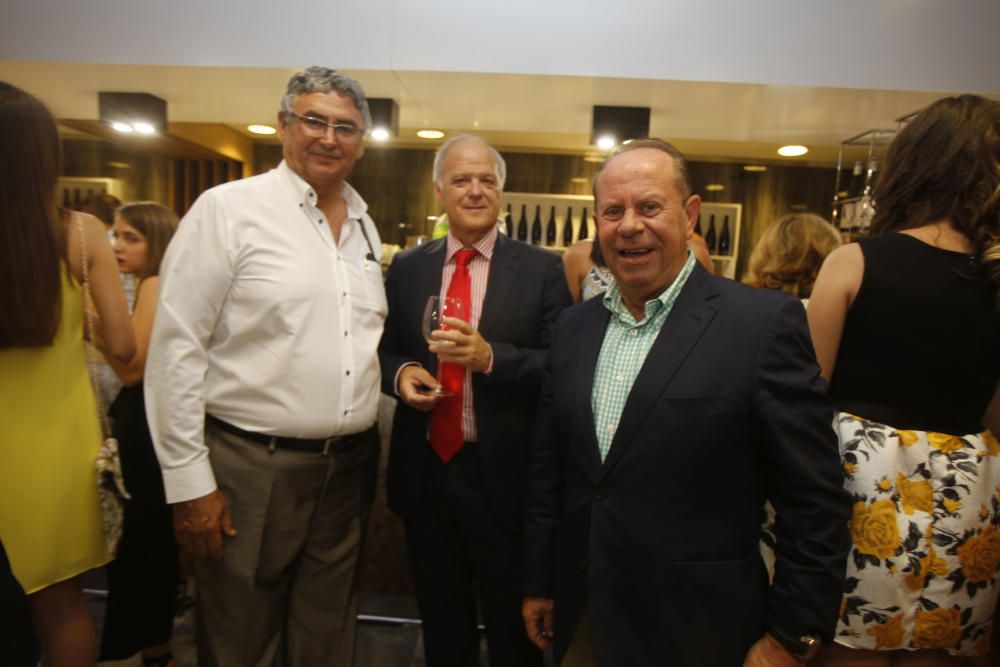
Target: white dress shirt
[264,322]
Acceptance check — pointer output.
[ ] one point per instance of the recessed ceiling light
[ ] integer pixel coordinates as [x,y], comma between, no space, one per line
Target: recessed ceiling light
[606,142]
[380,134]
[593,158]
[144,128]
[114,164]
[754,167]
[430,134]
[578,179]
[715,187]
[792,151]
[119,126]
[261,129]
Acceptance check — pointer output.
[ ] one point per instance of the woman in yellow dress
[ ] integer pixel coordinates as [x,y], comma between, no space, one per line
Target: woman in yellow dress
[50,519]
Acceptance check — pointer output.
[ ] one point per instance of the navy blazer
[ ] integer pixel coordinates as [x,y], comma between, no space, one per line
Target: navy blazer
[525,293]
[660,540]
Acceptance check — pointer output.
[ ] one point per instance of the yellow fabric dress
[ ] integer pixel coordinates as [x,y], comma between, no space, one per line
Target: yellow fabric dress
[50,517]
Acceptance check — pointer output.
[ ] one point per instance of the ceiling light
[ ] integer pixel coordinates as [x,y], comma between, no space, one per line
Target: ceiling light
[114,164]
[792,151]
[623,123]
[385,118]
[578,179]
[715,187]
[593,158]
[754,167]
[430,134]
[144,113]
[606,142]
[119,126]
[261,129]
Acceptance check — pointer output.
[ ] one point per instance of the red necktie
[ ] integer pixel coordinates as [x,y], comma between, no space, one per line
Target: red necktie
[446,419]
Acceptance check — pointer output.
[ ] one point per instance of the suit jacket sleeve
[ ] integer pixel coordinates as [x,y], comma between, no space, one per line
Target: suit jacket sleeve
[390,349]
[520,368]
[801,462]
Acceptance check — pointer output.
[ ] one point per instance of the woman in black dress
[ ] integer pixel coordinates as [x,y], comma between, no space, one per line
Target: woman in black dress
[906,326]
[142,580]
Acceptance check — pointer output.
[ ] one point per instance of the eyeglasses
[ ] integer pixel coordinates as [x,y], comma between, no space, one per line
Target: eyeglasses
[317,127]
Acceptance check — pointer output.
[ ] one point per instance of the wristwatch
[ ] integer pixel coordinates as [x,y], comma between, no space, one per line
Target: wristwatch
[804,648]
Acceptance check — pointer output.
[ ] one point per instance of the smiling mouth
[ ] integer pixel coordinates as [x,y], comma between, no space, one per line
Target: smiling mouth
[634,252]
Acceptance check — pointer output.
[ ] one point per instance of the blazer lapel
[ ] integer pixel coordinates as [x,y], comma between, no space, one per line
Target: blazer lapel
[503,274]
[588,341]
[685,324]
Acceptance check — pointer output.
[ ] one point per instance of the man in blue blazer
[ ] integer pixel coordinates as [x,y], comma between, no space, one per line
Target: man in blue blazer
[672,410]
[462,500]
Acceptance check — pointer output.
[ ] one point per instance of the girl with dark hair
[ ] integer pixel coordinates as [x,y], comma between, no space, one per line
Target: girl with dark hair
[906,327]
[50,517]
[142,580]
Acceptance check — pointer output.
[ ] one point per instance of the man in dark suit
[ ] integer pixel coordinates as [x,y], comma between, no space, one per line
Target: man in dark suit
[457,464]
[672,409]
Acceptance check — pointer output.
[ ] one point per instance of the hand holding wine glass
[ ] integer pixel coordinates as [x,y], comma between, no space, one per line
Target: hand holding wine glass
[437,309]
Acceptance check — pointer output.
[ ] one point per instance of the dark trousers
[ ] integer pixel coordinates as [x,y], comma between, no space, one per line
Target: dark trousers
[455,541]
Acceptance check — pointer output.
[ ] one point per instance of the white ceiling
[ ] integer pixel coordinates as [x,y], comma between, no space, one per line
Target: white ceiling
[725,79]
[514,111]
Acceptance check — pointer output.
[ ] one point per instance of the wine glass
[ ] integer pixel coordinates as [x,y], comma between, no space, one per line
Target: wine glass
[435,311]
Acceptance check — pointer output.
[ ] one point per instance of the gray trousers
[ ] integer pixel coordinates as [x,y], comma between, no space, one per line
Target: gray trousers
[284,593]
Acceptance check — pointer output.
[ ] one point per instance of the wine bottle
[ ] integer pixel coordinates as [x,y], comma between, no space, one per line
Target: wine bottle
[724,237]
[536,227]
[65,199]
[508,224]
[568,228]
[697,227]
[76,198]
[584,226]
[550,228]
[857,184]
[522,225]
[710,236]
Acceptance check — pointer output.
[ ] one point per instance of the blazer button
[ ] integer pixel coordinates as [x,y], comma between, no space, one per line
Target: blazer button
[601,493]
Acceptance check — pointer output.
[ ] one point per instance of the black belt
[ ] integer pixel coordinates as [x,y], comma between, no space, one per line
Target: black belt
[335,444]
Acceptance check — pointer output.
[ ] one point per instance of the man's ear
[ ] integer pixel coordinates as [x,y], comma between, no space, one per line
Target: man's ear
[693,209]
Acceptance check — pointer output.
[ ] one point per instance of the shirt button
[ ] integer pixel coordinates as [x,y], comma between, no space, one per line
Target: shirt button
[348,372]
[634,332]
[345,412]
[345,333]
[620,378]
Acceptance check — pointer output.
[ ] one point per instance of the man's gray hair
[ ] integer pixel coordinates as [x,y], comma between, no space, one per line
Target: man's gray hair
[682,179]
[459,138]
[324,80]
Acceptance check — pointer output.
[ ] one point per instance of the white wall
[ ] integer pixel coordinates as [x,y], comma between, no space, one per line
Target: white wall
[931,45]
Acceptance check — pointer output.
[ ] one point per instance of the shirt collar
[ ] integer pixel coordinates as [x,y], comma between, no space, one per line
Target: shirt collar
[484,245]
[613,297]
[356,206]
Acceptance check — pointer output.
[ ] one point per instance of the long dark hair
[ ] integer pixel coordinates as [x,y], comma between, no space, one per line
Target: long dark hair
[157,224]
[945,164]
[32,244]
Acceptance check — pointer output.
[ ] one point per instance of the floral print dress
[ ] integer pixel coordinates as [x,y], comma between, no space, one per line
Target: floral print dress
[923,568]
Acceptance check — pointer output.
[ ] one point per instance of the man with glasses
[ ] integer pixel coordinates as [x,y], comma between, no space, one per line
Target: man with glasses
[262,389]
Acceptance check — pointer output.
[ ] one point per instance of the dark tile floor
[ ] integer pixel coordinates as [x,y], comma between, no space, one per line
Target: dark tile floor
[381,643]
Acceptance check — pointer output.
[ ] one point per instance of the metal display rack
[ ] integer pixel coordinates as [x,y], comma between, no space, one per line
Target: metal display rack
[852,210]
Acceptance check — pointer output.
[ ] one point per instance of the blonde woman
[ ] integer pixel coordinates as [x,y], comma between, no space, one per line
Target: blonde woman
[790,252]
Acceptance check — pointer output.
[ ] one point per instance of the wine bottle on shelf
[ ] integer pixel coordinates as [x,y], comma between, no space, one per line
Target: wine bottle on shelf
[857,184]
[65,199]
[568,228]
[550,228]
[522,225]
[508,224]
[697,227]
[76,197]
[584,227]
[710,236]
[724,243]
[536,227]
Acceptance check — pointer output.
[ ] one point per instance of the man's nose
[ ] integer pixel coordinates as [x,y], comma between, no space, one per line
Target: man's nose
[630,223]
